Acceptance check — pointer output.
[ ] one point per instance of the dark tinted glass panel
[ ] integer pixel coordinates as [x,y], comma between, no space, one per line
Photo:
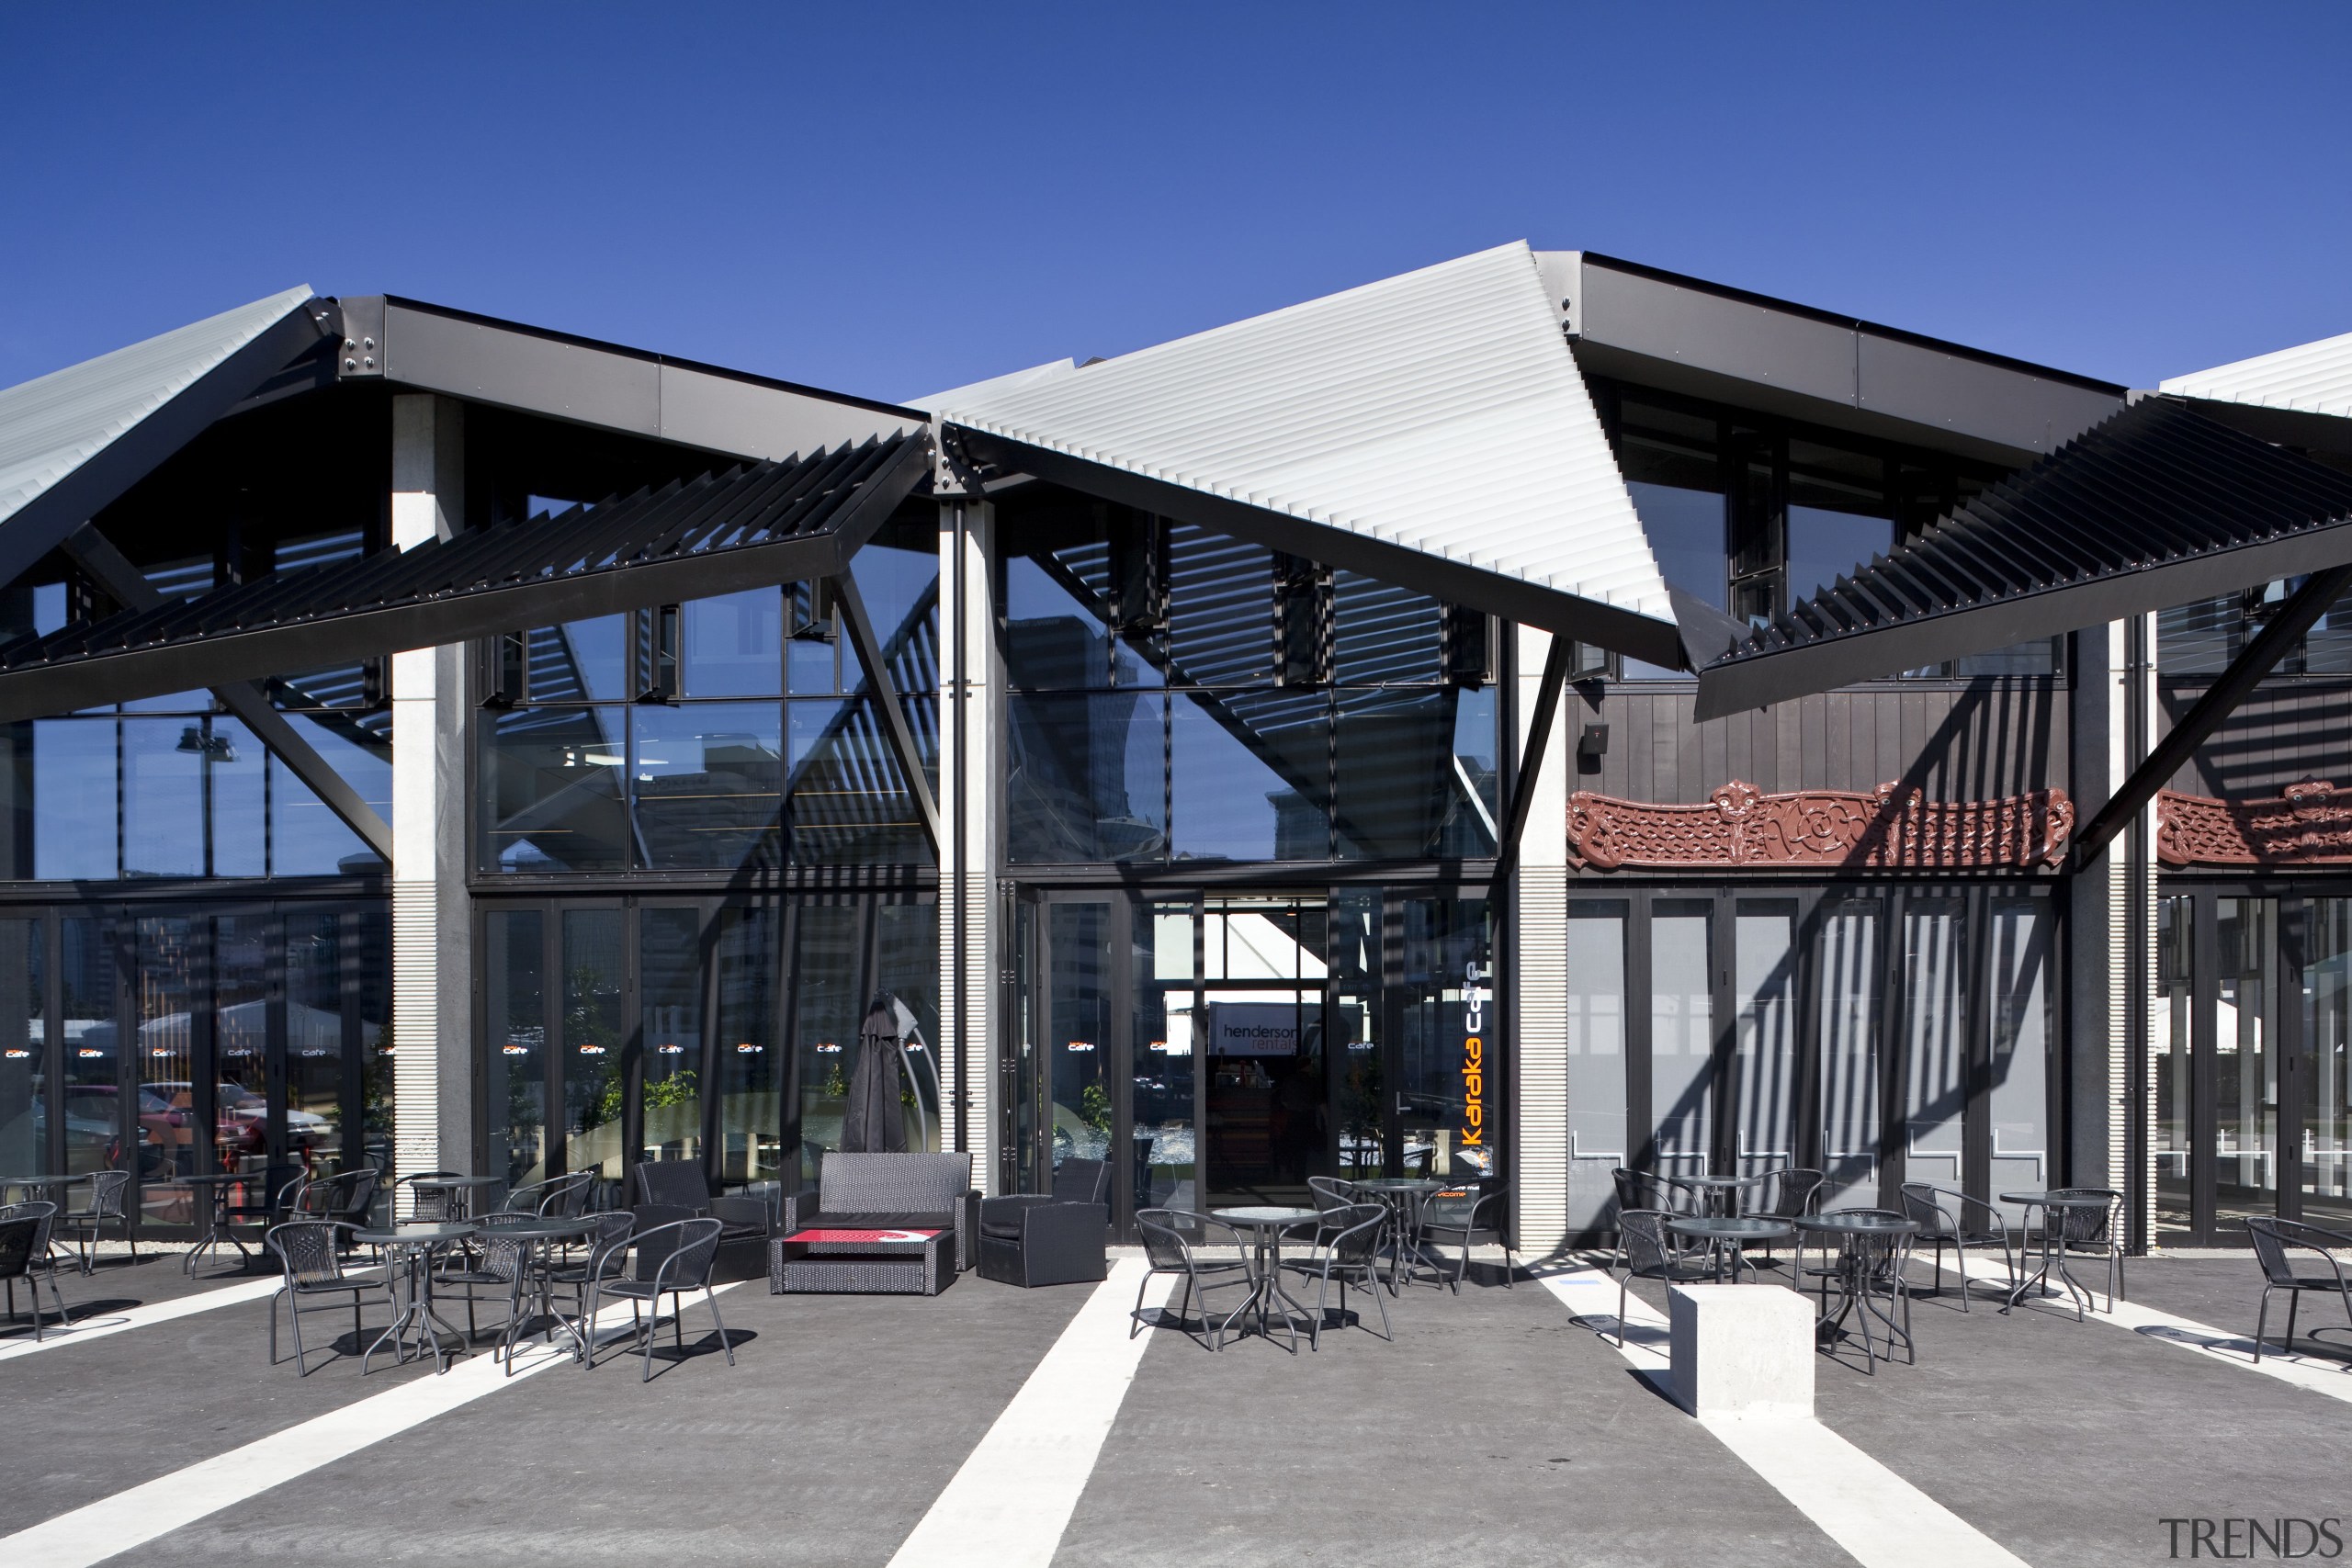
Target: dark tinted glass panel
[1382,633]
[826,1010]
[592,1040]
[849,802]
[1250,781]
[368,958]
[74,798]
[2200,639]
[1078,1028]
[733,643]
[1450,1055]
[314,1061]
[2327,647]
[1220,610]
[751,1048]
[1596,1021]
[2246,1060]
[307,840]
[95,1079]
[515,1024]
[707,782]
[2171,1065]
[551,795]
[1824,546]
[24,1079]
[1397,789]
[1470,824]
[1681,1004]
[1087,780]
[1053,638]
[241,1042]
[905,954]
[581,661]
[669,986]
[897,575]
[1164,1057]
[232,766]
[163,1004]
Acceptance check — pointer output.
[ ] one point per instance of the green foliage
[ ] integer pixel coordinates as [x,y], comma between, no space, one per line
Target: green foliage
[1094,1108]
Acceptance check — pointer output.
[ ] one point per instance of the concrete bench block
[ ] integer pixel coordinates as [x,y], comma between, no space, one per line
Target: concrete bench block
[1742,1349]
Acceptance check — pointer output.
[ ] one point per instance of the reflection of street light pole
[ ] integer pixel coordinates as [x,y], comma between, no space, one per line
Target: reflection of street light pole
[196,742]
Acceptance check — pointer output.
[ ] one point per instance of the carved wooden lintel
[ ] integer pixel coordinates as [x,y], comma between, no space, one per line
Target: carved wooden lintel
[1740,828]
[2306,824]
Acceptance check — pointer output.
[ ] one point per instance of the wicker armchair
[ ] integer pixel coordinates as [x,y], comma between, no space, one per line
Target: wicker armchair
[681,1183]
[310,1251]
[1171,1242]
[1351,1253]
[1034,1238]
[671,1259]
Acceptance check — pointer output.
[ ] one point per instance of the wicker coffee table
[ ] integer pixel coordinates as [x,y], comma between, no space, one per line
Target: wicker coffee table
[908,1262]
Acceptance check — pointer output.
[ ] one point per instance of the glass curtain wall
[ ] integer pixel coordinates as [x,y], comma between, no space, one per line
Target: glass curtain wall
[515,1021]
[2246,1060]
[1935,1041]
[26,1091]
[1683,1036]
[749,1043]
[1764,995]
[594,1036]
[2171,1064]
[1450,1047]
[1849,969]
[670,1038]
[2021,1006]
[2326,1141]
[1166,1053]
[1597,1049]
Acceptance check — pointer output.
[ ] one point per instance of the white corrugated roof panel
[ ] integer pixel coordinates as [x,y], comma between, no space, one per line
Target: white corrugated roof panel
[1440,411]
[54,423]
[2314,378]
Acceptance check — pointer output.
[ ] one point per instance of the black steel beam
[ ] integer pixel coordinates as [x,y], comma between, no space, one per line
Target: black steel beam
[886,696]
[1539,741]
[127,586]
[2233,686]
[42,523]
[228,651]
[1644,638]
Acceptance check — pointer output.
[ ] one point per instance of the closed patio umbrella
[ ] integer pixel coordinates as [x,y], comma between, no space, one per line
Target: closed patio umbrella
[873,1121]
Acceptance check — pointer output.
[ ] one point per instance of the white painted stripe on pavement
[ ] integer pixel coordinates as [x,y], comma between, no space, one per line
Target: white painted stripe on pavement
[98,1530]
[2329,1378]
[1881,1520]
[83,1332]
[1008,1505]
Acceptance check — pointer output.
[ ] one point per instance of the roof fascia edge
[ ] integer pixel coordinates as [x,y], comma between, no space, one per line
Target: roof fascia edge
[1765,678]
[42,524]
[1585,620]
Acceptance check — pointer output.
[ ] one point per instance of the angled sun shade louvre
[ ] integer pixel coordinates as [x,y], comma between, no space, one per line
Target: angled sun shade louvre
[73,440]
[2311,377]
[2157,505]
[1431,429]
[748,527]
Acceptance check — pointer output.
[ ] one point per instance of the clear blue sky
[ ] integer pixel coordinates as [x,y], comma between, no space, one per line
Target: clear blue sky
[890,199]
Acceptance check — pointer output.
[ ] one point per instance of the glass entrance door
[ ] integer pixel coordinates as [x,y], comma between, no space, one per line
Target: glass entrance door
[1266,1121]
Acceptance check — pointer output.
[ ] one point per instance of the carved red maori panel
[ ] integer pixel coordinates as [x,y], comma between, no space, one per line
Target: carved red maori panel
[2308,824]
[1890,828]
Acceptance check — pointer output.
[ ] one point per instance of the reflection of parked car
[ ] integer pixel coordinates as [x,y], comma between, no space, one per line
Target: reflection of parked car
[160,1127]
[242,1117]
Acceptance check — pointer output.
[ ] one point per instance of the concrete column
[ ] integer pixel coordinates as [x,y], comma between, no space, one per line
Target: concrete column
[971,763]
[433,1098]
[1539,916]
[2092,712]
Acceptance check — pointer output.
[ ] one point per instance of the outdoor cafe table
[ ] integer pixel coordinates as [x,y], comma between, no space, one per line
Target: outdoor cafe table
[212,1195]
[460,1190]
[540,1235]
[1725,1233]
[1405,1195]
[408,1263]
[2055,1207]
[1269,1221]
[1721,1193]
[1862,1241]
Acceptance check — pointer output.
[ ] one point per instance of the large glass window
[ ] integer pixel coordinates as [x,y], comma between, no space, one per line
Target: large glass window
[1682,1035]
[2246,1059]
[94,1078]
[1764,992]
[552,790]
[514,992]
[750,1049]
[733,644]
[826,1013]
[1596,1058]
[24,1049]
[1847,954]
[2023,1000]
[1078,1033]
[669,989]
[2328,1046]
[163,979]
[162,797]
[1935,1038]
[593,1038]
[75,800]
[241,1042]
[1086,779]
[2171,1069]
[707,784]
[1165,1043]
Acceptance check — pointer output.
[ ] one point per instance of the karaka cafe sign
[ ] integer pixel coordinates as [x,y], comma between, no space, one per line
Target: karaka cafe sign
[1474,998]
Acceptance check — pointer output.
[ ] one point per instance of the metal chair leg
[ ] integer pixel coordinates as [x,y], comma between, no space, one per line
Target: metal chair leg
[2294,1303]
[711,1297]
[2261,1321]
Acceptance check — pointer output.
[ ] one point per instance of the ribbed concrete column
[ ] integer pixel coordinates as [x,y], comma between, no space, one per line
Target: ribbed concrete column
[1539,919]
[971,762]
[433,1103]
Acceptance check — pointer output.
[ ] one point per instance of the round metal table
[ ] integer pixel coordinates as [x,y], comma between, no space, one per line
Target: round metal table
[1268,1221]
[1404,1196]
[409,1262]
[2055,1207]
[1865,1260]
[1720,1193]
[1726,1234]
[460,1190]
[539,1236]
[215,1191]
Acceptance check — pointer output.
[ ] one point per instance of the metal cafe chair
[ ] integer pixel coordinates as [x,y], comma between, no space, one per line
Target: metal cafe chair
[25,1255]
[2274,1240]
[1652,1252]
[104,1206]
[311,1252]
[1353,1251]
[1942,1215]
[670,1260]
[1170,1240]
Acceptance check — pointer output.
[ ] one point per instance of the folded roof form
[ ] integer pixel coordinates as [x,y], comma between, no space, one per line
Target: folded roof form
[2311,377]
[1430,429]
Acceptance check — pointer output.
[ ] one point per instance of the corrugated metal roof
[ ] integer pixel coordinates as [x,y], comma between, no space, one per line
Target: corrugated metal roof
[2157,506]
[53,424]
[2314,378]
[1440,411]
